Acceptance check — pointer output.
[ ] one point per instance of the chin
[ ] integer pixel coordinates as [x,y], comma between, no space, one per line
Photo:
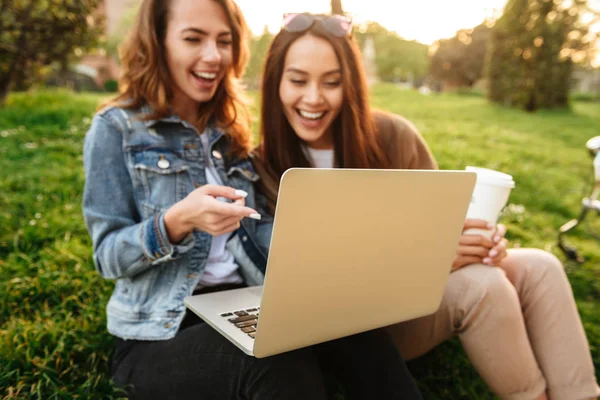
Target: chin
[311,139]
[203,97]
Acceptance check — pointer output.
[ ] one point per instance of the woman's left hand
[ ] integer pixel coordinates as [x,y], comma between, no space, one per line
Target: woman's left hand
[498,252]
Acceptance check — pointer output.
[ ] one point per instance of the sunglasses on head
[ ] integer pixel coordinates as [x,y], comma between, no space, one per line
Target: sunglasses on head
[337,25]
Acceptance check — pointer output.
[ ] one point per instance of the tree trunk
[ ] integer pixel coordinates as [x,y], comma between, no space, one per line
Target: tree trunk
[4,89]
[18,58]
[336,7]
[7,80]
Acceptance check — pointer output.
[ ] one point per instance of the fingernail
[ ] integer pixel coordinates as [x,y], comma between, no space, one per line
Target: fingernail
[497,238]
[487,260]
[241,193]
[490,225]
[493,253]
[255,216]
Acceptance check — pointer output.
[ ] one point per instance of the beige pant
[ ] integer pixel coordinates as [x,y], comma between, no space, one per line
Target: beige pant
[518,325]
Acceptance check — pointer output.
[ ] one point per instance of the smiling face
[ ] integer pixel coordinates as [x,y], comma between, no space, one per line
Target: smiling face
[199,52]
[311,90]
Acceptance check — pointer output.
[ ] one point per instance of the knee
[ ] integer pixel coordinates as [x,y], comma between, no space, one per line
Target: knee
[548,261]
[496,289]
[488,292]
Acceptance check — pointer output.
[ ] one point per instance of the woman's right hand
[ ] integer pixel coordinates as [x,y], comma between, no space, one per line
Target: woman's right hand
[201,210]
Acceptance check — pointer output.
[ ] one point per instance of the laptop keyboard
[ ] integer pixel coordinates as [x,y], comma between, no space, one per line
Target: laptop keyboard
[245,320]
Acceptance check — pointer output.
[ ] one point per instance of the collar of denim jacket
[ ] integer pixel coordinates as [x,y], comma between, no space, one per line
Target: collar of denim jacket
[213,132]
[147,110]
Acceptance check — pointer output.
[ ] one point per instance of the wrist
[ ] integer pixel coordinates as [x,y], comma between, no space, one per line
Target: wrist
[176,224]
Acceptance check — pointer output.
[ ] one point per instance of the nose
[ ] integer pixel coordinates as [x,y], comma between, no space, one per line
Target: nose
[210,53]
[313,94]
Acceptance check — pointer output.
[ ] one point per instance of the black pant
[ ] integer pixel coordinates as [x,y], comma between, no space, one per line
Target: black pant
[199,363]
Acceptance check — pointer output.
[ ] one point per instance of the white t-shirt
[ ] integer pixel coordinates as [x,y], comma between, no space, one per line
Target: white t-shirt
[221,267]
[319,158]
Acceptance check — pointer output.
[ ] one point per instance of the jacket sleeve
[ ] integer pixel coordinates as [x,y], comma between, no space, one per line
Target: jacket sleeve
[123,245]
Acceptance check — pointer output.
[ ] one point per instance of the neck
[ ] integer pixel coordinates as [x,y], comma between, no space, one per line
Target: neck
[318,148]
[186,109]
[325,142]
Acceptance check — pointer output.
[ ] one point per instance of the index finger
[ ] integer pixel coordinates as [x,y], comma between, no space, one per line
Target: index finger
[235,210]
[477,223]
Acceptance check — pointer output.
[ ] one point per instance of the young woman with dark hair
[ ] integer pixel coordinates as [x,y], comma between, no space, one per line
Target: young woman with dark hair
[513,310]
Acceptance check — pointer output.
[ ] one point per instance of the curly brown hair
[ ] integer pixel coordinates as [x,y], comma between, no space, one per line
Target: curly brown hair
[145,77]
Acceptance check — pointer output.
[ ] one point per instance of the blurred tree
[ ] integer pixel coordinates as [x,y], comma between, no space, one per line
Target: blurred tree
[459,61]
[336,7]
[395,58]
[532,49]
[258,51]
[37,35]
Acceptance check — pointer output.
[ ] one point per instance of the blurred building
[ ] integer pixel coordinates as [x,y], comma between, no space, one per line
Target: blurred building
[113,11]
[101,67]
[368,56]
[586,80]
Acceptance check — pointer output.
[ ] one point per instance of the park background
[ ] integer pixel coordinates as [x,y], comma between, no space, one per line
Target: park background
[513,86]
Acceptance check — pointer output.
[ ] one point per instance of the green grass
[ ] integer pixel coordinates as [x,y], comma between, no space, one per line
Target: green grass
[53,342]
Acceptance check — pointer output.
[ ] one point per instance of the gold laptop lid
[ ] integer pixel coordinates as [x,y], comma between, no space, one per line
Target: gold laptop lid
[355,250]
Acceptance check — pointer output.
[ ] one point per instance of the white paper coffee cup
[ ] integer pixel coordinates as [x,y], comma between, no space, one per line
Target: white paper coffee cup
[490,195]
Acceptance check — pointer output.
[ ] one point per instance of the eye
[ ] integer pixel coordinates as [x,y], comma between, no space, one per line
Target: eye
[192,39]
[333,83]
[225,42]
[297,82]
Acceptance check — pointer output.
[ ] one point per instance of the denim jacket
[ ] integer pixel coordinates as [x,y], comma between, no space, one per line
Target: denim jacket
[135,170]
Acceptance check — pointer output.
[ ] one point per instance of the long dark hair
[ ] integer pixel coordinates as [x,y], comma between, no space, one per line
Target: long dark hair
[145,76]
[356,144]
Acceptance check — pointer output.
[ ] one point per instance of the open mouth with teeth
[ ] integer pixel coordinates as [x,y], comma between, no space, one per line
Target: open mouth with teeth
[208,77]
[313,116]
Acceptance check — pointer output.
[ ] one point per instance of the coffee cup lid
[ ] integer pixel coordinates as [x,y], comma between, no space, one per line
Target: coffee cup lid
[485,175]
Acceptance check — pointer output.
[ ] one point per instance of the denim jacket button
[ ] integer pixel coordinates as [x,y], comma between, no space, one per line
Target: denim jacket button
[167,325]
[197,185]
[163,163]
[244,238]
[217,155]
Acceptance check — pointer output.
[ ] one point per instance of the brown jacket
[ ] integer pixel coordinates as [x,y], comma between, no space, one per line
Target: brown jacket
[402,142]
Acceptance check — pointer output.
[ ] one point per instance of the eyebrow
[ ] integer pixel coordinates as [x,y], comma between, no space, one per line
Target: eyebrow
[299,71]
[202,32]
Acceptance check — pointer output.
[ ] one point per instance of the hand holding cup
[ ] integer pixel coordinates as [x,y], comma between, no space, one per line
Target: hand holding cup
[483,240]
[490,195]
[480,249]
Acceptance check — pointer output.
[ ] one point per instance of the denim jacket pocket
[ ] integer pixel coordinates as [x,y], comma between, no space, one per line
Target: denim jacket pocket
[163,175]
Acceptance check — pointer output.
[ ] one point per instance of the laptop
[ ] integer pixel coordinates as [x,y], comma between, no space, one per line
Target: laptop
[352,250]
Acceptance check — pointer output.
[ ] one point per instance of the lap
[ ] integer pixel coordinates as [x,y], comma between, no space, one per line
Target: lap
[200,363]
